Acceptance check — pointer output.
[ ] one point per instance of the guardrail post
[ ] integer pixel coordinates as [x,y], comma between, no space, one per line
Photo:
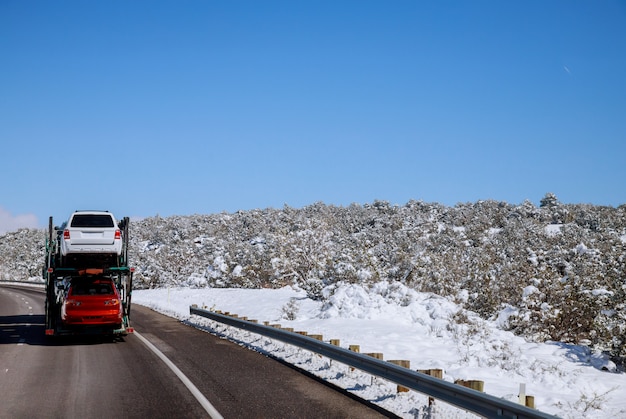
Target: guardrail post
[405,364]
[473,384]
[334,342]
[433,372]
[377,355]
[475,401]
[354,348]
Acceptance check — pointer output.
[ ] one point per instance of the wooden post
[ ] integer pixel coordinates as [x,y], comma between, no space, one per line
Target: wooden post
[403,363]
[477,385]
[473,384]
[335,342]
[377,355]
[530,401]
[434,372]
[354,348]
[317,337]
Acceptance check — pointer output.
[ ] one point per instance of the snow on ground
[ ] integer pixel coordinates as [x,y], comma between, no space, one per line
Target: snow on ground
[430,331]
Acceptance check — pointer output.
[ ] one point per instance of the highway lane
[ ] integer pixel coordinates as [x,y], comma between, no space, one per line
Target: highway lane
[79,377]
[97,377]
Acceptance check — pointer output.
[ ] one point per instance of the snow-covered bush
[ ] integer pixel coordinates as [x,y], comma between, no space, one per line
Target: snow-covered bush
[557,271]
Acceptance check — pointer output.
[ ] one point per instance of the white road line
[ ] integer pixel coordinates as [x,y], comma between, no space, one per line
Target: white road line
[192,388]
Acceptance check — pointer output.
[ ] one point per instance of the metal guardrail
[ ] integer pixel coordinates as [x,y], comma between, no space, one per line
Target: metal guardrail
[462,397]
[17,282]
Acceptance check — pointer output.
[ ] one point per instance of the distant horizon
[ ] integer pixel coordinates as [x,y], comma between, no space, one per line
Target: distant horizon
[13,222]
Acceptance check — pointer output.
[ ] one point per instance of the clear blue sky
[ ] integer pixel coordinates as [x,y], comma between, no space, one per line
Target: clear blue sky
[185,107]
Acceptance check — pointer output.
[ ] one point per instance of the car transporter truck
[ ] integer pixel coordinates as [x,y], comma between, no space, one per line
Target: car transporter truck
[87,277]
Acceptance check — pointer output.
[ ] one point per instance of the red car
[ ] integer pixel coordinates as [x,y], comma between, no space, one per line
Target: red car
[92,301]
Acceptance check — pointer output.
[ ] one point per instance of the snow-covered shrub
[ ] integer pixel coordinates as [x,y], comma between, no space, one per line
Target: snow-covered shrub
[559,269]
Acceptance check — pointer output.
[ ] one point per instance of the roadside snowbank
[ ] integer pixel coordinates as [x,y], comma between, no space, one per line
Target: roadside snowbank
[427,330]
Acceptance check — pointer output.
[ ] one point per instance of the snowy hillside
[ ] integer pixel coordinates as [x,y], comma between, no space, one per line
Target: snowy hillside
[556,272]
[570,381]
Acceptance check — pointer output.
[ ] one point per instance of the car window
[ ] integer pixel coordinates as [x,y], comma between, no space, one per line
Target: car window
[92,220]
[91,288]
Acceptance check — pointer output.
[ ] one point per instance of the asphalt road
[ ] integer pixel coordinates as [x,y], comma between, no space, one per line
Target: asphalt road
[92,377]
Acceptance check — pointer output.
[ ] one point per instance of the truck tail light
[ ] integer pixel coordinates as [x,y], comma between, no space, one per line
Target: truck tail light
[118,234]
[66,234]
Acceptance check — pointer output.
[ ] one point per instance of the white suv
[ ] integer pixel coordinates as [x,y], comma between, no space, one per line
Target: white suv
[91,237]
